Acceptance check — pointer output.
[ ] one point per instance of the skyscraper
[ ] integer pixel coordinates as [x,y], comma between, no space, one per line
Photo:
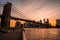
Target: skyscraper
[58,23]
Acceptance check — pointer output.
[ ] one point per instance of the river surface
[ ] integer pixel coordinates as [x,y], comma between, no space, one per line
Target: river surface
[42,33]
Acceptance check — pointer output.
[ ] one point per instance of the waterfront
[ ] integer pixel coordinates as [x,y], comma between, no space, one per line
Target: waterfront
[32,34]
[42,33]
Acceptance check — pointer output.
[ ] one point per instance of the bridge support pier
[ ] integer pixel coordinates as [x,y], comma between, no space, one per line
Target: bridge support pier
[5,20]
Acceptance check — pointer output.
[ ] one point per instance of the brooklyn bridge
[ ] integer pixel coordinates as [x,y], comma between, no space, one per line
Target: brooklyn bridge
[5,22]
[10,10]
[6,15]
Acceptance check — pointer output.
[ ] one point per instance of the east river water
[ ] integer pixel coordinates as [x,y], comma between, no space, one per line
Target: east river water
[42,33]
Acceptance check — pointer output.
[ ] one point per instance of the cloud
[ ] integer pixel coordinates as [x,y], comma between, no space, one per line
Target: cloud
[37,8]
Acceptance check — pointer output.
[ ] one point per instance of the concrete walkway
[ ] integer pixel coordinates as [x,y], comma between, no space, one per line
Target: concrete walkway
[12,36]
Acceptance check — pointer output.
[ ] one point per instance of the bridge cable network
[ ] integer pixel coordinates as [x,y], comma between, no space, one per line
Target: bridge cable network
[15,10]
[19,12]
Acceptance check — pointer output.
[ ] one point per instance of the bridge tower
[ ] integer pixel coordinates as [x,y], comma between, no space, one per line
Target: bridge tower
[5,20]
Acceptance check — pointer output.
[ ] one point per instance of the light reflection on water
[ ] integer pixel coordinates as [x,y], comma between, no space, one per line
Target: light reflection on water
[42,34]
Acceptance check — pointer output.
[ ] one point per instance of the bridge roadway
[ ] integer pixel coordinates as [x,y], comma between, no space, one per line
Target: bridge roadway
[15,18]
[12,35]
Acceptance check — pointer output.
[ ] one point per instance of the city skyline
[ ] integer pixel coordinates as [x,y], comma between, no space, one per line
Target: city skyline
[38,9]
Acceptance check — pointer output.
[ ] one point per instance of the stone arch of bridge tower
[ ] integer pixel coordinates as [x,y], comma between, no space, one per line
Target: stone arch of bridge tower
[5,20]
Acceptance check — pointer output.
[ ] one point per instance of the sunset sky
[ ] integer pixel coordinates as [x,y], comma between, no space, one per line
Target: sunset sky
[36,9]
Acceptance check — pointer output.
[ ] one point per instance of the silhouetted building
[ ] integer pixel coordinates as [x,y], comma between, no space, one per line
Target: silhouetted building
[40,21]
[44,20]
[5,20]
[28,24]
[47,21]
[47,24]
[58,23]
[18,25]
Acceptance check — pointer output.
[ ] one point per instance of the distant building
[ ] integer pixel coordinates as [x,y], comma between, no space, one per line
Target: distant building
[28,24]
[58,23]
[18,25]
[44,20]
